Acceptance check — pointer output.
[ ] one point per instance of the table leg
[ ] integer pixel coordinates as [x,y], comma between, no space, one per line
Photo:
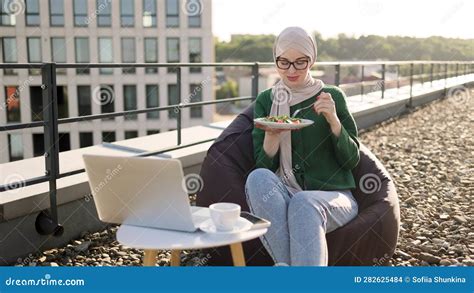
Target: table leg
[149,258]
[175,258]
[237,254]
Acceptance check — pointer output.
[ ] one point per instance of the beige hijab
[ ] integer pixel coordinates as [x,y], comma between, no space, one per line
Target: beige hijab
[283,96]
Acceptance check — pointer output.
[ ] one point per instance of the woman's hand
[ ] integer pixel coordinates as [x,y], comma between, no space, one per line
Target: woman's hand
[270,131]
[326,105]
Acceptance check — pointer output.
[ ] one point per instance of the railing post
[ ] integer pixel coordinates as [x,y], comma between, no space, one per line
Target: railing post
[398,77]
[383,80]
[410,104]
[422,74]
[431,74]
[255,80]
[337,75]
[362,82]
[457,67]
[445,76]
[180,114]
[51,135]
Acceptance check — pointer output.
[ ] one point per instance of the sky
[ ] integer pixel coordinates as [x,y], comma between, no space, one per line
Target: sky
[416,18]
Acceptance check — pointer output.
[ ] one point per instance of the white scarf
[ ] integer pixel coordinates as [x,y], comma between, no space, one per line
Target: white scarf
[283,96]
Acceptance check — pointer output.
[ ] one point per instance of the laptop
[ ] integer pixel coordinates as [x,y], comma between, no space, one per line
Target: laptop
[145,192]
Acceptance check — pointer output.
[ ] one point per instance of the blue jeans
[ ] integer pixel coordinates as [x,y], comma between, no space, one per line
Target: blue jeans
[297,235]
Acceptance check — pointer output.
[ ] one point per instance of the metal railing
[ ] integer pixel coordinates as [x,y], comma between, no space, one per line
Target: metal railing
[51,120]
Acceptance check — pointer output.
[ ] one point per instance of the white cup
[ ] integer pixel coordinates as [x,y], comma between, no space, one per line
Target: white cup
[224,215]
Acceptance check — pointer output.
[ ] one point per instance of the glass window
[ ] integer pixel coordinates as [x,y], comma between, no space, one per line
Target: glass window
[12,102]
[173,99]
[63,111]
[130,100]
[84,100]
[104,12]
[108,136]
[15,146]
[149,13]
[107,98]
[131,134]
[82,53]
[172,13]
[172,52]
[127,13]
[56,12]
[86,139]
[64,142]
[32,12]
[195,53]
[194,10]
[80,13]
[128,53]
[194,97]
[36,102]
[58,50]
[152,100]
[9,53]
[151,53]
[7,15]
[38,144]
[105,54]
[152,131]
[34,53]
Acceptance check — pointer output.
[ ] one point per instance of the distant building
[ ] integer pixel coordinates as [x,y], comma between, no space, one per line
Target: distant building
[102,31]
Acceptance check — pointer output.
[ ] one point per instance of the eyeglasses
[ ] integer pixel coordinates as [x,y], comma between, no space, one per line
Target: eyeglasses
[298,64]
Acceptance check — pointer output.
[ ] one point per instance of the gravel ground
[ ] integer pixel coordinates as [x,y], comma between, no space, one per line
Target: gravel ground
[430,155]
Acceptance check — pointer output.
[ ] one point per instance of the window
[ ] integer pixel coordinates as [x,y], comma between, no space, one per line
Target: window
[64,142]
[194,12]
[32,12]
[7,18]
[105,54]
[108,136]
[195,54]
[172,52]
[130,100]
[12,102]
[131,134]
[128,53]
[34,53]
[80,13]
[82,53]
[172,13]
[104,12]
[36,102]
[151,53]
[58,52]
[84,100]
[149,13]
[107,98]
[9,53]
[195,96]
[15,147]
[38,144]
[127,13]
[86,139]
[56,12]
[152,100]
[173,99]
[152,131]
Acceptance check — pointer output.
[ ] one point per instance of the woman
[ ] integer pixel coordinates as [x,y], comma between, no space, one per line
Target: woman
[303,178]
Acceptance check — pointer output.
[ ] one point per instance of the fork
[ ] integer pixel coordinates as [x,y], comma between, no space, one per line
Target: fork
[299,110]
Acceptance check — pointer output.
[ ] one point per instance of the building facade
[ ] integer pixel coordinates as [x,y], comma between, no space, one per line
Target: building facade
[102,31]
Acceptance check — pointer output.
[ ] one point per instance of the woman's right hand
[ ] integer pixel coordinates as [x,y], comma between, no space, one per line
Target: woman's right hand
[270,131]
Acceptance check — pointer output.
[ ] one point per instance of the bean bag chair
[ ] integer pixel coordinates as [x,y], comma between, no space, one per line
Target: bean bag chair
[368,240]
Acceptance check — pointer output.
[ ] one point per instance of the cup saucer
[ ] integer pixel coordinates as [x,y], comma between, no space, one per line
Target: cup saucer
[241,225]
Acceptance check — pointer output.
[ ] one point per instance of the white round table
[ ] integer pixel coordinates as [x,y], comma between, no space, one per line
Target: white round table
[152,240]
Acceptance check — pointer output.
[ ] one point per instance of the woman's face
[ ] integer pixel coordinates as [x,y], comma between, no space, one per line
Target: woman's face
[293,77]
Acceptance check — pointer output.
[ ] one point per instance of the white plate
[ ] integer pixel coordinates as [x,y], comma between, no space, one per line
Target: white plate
[242,225]
[275,125]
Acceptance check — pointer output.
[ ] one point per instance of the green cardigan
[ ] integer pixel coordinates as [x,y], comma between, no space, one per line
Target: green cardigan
[321,161]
